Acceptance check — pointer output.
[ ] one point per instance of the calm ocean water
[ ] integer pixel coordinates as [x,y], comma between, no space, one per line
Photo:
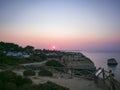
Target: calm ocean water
[100,60]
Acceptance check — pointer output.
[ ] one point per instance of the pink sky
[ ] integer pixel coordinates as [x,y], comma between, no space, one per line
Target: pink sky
[60,42]
[74,24]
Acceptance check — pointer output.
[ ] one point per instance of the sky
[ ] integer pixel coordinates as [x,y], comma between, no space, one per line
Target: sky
[62,24]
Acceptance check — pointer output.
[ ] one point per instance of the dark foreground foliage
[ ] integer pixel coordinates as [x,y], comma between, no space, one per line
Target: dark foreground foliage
[50,86]
[10,81]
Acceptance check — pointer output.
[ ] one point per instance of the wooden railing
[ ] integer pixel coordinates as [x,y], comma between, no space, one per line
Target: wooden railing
[108,79]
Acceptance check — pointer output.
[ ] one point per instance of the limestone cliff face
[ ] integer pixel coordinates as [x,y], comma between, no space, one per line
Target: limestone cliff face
[78,61]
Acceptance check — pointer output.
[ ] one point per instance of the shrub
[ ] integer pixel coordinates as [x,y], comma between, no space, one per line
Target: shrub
[10,86]
[51,86]
[7,76]
[21,81]
[10,81]
[44,72]
[29,73]
[1,85]
[54,63]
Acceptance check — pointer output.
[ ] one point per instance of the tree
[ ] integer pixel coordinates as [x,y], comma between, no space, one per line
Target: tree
[29,48]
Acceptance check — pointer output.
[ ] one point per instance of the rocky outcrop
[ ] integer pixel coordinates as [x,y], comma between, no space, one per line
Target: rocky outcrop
[78,61]
[112,61]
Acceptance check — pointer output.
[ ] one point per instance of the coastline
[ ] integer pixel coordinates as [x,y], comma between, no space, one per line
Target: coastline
[100,60]
[73,83]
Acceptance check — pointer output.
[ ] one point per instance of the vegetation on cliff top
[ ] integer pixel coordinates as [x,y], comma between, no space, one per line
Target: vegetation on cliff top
[11,81]
[54,63]
[9,54]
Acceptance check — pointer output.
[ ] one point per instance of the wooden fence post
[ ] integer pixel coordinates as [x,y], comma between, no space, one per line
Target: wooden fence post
[111,80]
[103,73]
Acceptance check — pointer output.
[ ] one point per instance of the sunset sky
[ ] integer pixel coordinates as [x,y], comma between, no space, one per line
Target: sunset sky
[64,24]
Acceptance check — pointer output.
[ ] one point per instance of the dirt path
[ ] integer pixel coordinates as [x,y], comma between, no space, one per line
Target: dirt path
[72,84]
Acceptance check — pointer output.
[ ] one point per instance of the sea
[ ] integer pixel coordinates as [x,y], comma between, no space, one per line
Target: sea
[100,60]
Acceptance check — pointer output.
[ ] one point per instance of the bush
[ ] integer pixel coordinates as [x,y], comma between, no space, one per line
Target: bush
[29,73]
[10,81]
[44,72]
[21,81]
[51,86]
[10,86]
[7,76]
[1,85]
[57,64]
[27,87]
[54,63]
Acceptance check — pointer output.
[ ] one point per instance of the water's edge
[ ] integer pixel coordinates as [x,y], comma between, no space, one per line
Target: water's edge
[100,60]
